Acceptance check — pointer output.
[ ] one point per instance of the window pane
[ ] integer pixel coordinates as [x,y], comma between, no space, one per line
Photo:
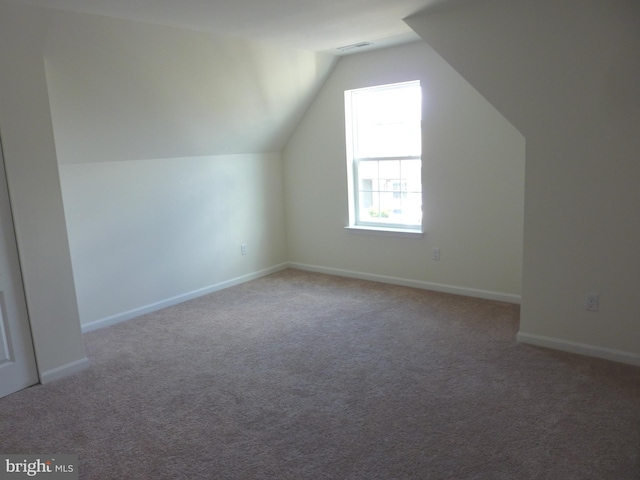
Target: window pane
[387,205]
[412,175]
[366,200]
[389,173]
[369,210]
[388,122]
[411,210]
[368,175]
[388,140]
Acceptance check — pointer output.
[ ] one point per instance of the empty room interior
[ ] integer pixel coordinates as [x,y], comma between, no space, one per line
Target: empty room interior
[188,165]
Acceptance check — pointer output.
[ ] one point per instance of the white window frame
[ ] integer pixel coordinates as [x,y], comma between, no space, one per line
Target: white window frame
[355,224]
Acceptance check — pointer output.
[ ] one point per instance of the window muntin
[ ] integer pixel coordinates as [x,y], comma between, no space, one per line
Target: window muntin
[384,156]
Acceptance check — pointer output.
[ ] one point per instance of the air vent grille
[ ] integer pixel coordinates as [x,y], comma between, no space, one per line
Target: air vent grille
[353,46]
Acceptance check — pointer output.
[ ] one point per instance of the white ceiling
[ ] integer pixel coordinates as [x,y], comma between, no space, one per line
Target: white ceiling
[316,25]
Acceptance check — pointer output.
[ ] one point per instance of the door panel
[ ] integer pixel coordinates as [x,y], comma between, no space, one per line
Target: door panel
[17,360]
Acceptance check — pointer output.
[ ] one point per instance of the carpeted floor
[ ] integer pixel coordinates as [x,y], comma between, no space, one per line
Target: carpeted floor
[307,376]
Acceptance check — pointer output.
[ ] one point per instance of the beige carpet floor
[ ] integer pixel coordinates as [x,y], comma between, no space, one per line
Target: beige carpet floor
[307,376]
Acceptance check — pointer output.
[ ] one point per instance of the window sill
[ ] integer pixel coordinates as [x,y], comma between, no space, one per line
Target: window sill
[384,231]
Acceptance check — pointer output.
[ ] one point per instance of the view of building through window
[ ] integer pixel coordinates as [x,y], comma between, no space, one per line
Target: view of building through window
[384,154]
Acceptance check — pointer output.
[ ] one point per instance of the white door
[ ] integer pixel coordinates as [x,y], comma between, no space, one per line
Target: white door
[17,360]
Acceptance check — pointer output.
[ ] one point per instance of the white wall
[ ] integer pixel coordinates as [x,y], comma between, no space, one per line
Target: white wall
[473,179]
[145,232]
[34,187]
[160,135]
[567,75]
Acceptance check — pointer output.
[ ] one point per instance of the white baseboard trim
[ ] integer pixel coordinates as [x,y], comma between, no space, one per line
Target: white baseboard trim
[64,370]
[579,348]
[438,287]
[136,312]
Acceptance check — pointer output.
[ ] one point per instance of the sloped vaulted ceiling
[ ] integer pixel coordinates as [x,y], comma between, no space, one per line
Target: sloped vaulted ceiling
[130,80]
[124,90]
[305,24]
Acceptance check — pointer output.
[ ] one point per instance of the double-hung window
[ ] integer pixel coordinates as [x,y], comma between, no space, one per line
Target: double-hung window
[384,163]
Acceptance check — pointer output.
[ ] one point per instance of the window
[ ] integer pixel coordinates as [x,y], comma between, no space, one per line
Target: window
[384,163]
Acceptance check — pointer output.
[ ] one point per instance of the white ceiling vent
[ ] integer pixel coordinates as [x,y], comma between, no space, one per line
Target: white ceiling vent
[346,48]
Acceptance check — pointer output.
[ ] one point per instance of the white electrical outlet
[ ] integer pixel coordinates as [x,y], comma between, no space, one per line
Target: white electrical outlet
[243,249]
[435,254]
[592,302]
